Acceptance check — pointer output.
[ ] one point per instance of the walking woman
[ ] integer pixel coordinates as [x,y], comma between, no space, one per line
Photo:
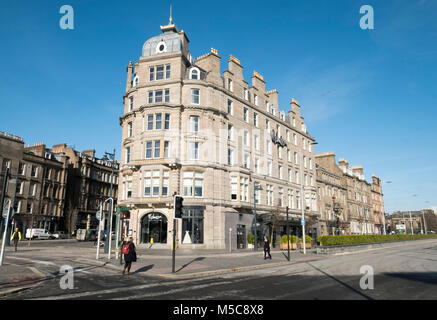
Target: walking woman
[129,254]
[267,248]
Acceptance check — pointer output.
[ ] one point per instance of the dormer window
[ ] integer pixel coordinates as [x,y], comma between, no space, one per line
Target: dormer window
[229,84]
[194,74]
[282,116]
[135,80]
[272,109]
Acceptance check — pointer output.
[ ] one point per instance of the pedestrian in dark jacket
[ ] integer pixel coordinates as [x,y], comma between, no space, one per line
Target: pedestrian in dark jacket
[129,254]
[16,236]
[267,248]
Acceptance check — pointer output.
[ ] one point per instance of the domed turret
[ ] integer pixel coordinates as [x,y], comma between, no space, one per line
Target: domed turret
[171,40]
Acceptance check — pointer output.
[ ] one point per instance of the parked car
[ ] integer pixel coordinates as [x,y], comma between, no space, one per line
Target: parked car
[38,234]
[60,235]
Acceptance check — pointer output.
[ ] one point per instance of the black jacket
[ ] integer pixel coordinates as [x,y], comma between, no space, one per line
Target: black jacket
[132,255]
[266,245]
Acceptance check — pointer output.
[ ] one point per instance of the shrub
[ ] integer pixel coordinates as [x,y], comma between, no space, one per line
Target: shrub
[251,238]
[293,239]
[369,238]
[308,239]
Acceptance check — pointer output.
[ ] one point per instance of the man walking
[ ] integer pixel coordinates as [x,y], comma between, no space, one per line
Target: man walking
[16,236]
[267,248]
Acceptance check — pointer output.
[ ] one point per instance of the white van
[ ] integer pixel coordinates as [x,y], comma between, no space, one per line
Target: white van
[38,234]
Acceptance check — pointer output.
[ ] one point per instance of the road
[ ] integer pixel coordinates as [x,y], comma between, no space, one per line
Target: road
[404,272]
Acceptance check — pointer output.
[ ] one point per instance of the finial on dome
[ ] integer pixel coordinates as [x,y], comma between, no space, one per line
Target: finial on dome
[171,26]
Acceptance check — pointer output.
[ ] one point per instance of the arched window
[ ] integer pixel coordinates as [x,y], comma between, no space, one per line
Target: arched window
[195,74]
[136,81]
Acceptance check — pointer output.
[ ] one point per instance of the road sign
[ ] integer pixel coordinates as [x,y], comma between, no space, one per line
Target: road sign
[5,213]
[302,222]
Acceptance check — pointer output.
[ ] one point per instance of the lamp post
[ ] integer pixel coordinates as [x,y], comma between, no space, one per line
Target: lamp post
[5,183]
[288,236]
[303,199]
[109,223]
[109,235]
[100,230]
[256,187]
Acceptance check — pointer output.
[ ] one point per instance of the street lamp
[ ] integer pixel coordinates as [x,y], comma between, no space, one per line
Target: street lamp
[109,223]
[256,187]
[303,199]
[383,213]
[109,235]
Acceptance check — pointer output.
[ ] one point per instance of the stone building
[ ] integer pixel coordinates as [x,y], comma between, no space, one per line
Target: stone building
[360,212]
[209,136]
[331,196]
[37,185]
[378,205]
[422,221]
[89,184]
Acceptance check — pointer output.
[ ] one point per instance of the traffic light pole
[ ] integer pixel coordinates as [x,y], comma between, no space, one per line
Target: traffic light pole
[173,262]
[177,208]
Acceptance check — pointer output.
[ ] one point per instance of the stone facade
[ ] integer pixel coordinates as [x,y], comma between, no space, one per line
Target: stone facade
[359,203]
[209,136]
[89,184]
[37,185]
[331,195]
[55,189]
[378,205]
[360,212]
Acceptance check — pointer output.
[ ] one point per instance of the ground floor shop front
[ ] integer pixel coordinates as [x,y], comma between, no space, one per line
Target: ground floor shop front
[210,227]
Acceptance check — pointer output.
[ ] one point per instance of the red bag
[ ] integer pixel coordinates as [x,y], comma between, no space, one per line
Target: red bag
[126,248]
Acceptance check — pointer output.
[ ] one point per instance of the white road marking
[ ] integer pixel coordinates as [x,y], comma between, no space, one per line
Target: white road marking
[161,293]
[47,263]
[118,290]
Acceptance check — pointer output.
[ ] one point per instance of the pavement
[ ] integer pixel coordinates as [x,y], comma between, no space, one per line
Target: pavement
[41,261]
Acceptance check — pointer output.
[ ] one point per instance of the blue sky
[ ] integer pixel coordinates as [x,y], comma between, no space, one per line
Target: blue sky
[368,95]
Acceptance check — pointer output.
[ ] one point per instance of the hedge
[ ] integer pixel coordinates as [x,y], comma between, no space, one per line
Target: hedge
[369,238]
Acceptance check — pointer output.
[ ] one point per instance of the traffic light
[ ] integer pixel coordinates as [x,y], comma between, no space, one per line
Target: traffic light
[178,206]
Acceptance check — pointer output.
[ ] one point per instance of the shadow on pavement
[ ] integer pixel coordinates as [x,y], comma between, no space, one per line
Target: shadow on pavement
[143,269]
[187,264]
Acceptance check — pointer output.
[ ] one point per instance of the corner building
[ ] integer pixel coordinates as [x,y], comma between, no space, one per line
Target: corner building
[209,136]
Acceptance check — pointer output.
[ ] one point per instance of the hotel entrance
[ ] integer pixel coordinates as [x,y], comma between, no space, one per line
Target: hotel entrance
[154,226]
